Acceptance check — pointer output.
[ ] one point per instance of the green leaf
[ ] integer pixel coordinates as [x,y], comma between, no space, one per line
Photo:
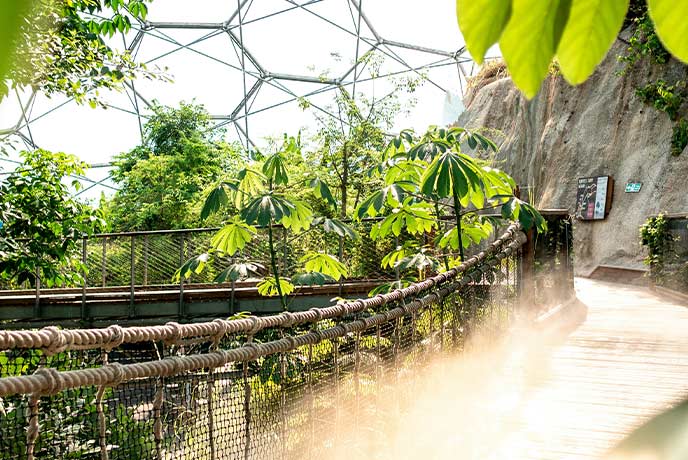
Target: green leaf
[215,200]
[669,17]
[322,190]
[592,28]
[239,271]
[11,19]
[531,39]
[324,263]
[268,287]
[337,227]
[481,23]
[194,265]
[275,169]
[299,218]
[265,209]
[232,237]
[311,278]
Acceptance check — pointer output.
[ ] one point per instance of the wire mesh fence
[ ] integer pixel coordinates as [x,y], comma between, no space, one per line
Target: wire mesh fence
[284,386]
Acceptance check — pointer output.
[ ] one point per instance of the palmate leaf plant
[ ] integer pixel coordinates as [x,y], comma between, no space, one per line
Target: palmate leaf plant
[428,179]
[264,197]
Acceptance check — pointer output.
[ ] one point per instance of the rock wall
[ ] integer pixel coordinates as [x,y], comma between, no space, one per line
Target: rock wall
[597,128]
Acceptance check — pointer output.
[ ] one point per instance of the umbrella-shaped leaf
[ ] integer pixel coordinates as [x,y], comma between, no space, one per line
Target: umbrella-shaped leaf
[324,263]
[215,200]
[299,218]
[337,227]
[275,169]
[232,237]
[268,287]
[191,266]
[266,209]
[239,271]
[322,190]
[311,278]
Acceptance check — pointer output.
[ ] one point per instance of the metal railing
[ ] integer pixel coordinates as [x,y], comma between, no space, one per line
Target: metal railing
[279,386]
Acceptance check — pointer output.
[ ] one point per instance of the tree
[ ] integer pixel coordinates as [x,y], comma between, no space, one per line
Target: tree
[429,177]
[59,46]
[162,180]
[262,193]
[42,223]
[577,33]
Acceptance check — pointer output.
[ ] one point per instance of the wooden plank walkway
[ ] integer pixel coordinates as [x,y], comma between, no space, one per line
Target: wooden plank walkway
[571,399]
[625,363]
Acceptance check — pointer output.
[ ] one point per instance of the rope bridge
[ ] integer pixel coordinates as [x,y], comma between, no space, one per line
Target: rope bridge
[280,386]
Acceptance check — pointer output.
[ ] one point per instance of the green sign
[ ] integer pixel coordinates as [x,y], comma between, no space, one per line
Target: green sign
[633,187]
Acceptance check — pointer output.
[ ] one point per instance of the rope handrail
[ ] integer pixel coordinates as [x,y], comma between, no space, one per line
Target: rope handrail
[53,340]
[48,381]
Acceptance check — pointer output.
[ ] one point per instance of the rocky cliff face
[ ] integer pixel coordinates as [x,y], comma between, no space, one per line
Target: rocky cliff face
[598,128]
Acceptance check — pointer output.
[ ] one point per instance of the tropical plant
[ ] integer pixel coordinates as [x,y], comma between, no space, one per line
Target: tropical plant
[428,178]
[263,195]
[42,224]
[531,33]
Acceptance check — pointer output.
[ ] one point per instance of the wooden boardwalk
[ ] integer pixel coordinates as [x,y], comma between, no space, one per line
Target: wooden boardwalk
[569,399]
[625,363]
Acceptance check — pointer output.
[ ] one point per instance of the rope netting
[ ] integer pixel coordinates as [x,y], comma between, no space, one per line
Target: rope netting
[280,386]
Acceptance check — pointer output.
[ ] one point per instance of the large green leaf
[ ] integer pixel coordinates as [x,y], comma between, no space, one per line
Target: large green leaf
[275,169]
[299,218]
[669,17]
[324,263]
[232,237]
[336,226]
[215,200]
[310,279]
[11,19]
[531,39]
[268,287]
[481,23]
[322,190]
[265,209]
[453,173]
[592,28]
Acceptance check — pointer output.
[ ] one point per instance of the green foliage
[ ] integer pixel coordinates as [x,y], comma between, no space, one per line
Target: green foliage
[233,237]
[163,180]
[42,224]
[268,198]
[644,44]
[679,138]
[667,262]
[61,48]
[11,19]
[326,264]
[663,96]
[578,33]
[421,176]
[271,287]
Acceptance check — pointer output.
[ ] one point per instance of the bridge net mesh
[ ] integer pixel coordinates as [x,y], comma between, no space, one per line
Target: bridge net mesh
[339,392]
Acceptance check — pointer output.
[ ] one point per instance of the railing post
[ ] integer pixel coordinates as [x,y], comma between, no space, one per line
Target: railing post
[132,275]
[37,302]
[145,260]
[103,261]
[181,278]
[84,255]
